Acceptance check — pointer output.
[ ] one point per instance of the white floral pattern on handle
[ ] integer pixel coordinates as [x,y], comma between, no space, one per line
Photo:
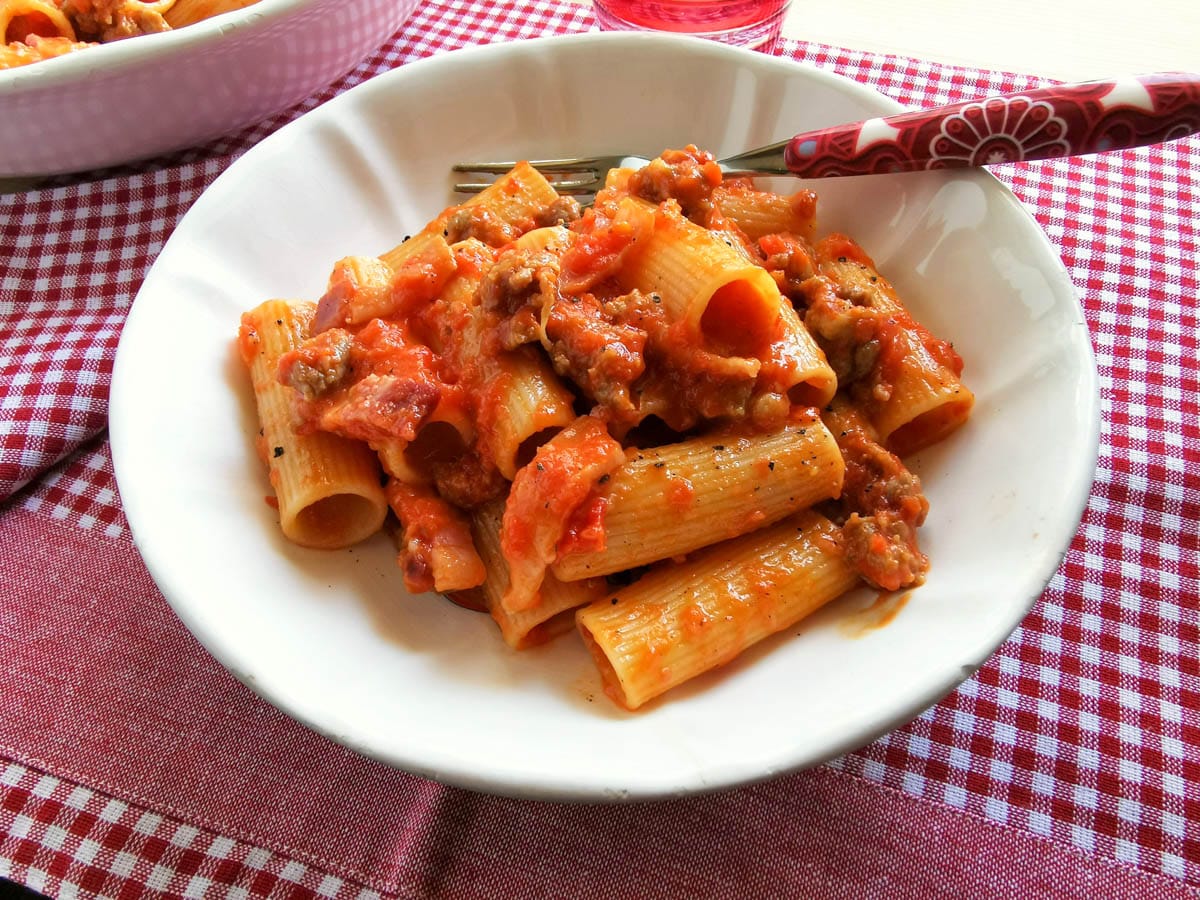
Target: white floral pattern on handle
[999,130]
[1045,123]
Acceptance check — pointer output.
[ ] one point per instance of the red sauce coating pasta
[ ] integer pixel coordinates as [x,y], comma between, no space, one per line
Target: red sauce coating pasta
[516,348]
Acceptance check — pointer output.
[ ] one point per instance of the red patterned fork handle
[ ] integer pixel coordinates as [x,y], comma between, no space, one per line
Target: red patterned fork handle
[1050,122]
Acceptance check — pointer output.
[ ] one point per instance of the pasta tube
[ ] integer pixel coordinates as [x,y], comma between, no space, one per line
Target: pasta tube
[681,620]
[671,500]
[512,205]
[703,282]
[35,49]
[327,486]
[188,12]
[523,404]
[398,284]
[795,365]
[442,437]
[20,19]
[546,496]
[554,612]
[759,213]
[905,379]
[436,550]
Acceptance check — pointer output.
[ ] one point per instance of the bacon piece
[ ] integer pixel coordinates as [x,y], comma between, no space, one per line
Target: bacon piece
[436,551]
[544,497]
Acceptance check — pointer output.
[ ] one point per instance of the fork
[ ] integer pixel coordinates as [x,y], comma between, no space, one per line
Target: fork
[1045,123]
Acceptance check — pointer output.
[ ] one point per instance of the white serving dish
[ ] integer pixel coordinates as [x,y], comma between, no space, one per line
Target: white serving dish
[136,98]
[333,639]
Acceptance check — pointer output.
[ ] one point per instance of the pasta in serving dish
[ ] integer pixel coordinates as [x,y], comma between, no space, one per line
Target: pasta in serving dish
[35,30]
[673,420]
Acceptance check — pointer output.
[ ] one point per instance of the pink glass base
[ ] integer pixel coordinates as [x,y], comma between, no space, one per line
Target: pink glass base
[743,23]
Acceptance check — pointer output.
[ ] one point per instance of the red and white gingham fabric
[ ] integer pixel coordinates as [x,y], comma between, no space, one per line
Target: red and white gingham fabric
[131,764]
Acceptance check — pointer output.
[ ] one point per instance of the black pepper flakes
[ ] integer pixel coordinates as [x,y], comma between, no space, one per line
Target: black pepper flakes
[614,600]
[278,452]
[771,465]
[718,447]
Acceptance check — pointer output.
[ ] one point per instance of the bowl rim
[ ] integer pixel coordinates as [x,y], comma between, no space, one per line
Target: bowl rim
[116,56]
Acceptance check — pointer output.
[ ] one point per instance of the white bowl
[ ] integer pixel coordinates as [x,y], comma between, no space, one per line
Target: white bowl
[136,98]
[332,638]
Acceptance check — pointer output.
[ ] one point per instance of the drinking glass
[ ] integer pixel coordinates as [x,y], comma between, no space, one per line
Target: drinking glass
[745,23]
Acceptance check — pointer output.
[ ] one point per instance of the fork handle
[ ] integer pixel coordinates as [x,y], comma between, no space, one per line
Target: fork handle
[1047,123]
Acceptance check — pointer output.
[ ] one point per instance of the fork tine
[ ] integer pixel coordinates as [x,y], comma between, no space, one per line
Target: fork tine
[577,186]
[570,164]
[578,176]
[472,187]
[585,184]
[566,165]
[488,168]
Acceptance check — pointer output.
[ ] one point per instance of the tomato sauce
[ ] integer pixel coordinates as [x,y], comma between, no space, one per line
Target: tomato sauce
[593,257]
[27,24]
[882,611]
[883,507]
[545,496]
[423,352]
[429,525]
[584,531]
[248,343]
[681,493]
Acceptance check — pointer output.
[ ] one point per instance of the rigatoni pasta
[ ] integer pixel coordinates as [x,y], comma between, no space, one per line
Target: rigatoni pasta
[686,618]
[906,381]
[327,487]
[667,501]
[188,12]
[21,18]
[554,611]
[672,422]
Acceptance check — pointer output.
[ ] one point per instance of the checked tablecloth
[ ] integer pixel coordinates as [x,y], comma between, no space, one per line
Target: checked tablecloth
[132,764]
